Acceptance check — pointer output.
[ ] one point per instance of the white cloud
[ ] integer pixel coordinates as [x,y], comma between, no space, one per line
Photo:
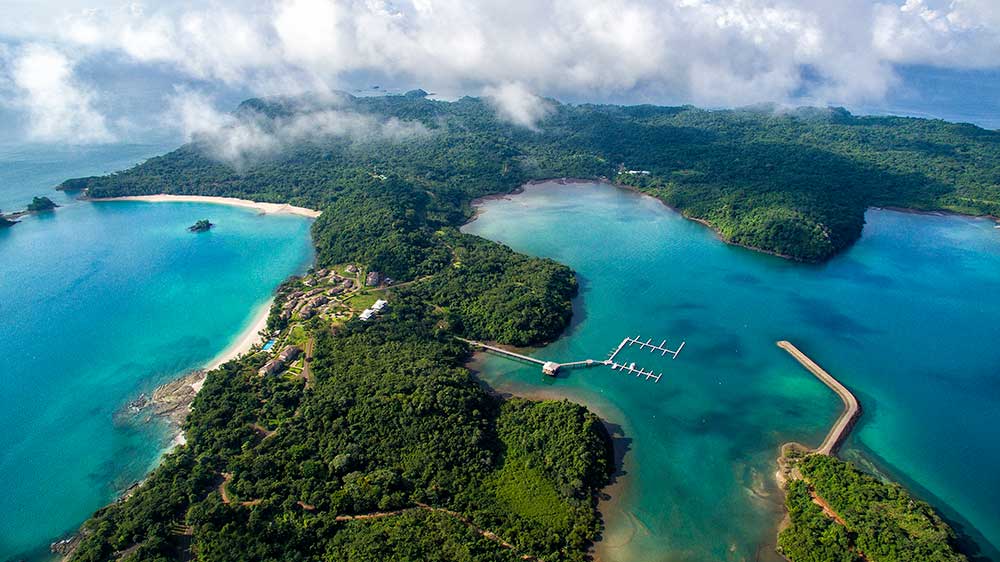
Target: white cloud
[517,104]
[58,107]
[707,52]
[958,33]
[238,140]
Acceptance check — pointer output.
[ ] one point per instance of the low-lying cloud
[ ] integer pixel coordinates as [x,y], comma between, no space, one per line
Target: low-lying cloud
[58,107]
[241,139]
[516,104]
[706,52]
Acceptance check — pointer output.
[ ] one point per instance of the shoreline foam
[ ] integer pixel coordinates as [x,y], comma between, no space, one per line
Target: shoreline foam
[264,208]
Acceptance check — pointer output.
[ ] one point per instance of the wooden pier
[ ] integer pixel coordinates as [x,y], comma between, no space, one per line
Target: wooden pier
[662,347]
[503,351]
[551,368]
[630,369]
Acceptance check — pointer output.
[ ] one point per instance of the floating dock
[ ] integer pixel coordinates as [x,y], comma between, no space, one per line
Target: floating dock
[551,368]
[662,347]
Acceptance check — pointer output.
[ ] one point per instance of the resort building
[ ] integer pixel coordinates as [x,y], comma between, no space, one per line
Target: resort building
[278,364]
[376,308]
[290,353]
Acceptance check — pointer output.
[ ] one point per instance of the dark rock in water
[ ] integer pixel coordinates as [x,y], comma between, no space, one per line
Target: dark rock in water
[66,546]
[139,403]
[39,204]
[201,226]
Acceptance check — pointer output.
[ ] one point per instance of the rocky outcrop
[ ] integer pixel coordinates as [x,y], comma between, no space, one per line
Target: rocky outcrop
[172,401]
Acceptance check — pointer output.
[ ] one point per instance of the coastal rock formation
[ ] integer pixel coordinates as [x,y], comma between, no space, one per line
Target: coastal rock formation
[201,226]
[172,401]
[39,204]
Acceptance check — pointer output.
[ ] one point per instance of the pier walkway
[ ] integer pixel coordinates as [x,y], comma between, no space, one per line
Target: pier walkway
[551,367]
[503,351]
[852,409]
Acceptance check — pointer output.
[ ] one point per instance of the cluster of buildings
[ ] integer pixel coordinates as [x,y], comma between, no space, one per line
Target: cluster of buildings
[307,304]
[281,362]
[375,309]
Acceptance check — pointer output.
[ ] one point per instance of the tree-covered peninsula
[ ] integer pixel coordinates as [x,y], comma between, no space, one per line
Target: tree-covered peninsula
[839,514]
[795,183]
[389,449]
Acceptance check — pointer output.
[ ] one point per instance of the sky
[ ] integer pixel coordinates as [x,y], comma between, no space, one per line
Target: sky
[99,71]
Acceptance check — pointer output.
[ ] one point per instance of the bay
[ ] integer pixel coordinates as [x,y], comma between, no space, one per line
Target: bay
[907,318]
[98,303]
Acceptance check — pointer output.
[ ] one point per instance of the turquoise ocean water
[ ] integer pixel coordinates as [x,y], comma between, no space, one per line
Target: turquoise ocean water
[99,302]
[908,318]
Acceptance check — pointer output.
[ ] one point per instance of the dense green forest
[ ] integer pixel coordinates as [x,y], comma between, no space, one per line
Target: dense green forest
[879,522]
[393,423]
[796,183]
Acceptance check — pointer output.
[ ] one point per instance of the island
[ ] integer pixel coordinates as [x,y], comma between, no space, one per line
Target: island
[386,446]
[202,225]
[37,205]
[40,204]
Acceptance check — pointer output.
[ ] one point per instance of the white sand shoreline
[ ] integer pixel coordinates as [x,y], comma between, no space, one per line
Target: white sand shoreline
[264,208]
[240,345]
[246,338]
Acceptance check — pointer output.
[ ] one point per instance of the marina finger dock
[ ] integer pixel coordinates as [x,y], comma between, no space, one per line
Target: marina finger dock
[551,368]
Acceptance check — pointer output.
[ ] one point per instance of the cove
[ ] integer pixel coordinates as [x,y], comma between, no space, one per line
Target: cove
[98,303]
[907,318]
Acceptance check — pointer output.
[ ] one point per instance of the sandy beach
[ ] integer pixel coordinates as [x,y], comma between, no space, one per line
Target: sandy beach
[264,208]
[245,340]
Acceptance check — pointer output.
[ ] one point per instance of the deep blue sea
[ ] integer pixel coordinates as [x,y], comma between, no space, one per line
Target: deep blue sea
[908,318]
[98,303]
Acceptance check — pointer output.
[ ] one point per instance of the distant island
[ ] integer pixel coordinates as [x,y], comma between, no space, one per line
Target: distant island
[40,204]
[201,226]
[389,427]
[37,205]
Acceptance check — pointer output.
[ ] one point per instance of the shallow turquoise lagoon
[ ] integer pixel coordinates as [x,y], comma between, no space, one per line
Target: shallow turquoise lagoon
[99,302]
[909,319]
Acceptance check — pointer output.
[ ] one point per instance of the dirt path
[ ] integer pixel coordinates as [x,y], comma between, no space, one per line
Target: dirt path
[265,432]
[226,477]
[827,510]
[421,506]
[226,499]
[224,491]
[307,361]
[852,409]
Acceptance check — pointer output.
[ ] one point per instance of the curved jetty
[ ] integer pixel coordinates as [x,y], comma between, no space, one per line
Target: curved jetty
[852,409]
